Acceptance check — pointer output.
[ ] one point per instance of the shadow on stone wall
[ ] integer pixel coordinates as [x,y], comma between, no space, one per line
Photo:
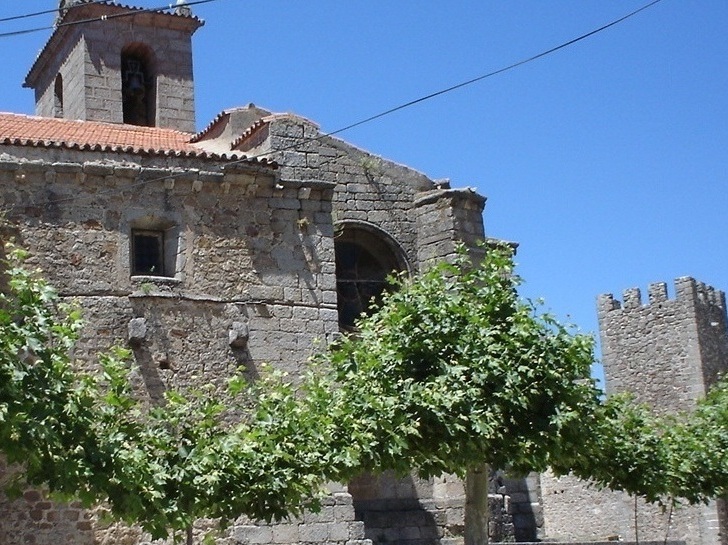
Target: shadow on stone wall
[524,505]
[398,521]
[397,511]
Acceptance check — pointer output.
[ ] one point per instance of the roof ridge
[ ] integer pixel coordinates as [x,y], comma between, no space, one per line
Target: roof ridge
[247,133]
[200,134]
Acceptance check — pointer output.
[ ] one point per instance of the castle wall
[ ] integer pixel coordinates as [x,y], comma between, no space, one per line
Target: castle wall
[655,350]
[574,510]
[666,352]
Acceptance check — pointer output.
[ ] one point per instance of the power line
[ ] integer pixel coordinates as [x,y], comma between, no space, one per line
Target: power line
[496,72]
[381,114]
[102,18]
[37,13]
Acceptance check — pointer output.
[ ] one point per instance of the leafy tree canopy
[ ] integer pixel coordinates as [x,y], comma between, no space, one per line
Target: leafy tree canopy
[452,371]
[161,467]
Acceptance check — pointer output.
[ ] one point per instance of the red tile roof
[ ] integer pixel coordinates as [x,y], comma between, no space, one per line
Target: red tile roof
[25,130]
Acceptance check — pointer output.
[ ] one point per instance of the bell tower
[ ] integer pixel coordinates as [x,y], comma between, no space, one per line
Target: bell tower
[119,64]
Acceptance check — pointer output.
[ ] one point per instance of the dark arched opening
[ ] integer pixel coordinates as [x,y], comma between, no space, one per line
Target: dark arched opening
[58,97]
[365,257]
[138,85]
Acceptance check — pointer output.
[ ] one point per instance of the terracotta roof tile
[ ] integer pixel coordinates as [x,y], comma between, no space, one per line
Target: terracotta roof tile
[249,132]
[25,130]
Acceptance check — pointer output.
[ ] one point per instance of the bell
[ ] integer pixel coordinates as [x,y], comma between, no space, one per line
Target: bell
[134,79]
[135,84]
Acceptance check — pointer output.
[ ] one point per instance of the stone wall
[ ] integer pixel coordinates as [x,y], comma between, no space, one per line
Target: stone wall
[70,64]
[253,279]
[247,252]
[425,218]
[415,511]
[574,510]
[526,506]
[33,519]
[666,352]
[660,542]
[443,211]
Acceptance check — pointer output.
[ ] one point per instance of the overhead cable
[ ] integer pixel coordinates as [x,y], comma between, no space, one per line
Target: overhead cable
[384,113]
[102,18]
[45,12]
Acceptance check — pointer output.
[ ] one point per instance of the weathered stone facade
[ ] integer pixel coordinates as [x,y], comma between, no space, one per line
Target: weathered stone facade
[243,244]
[251,277]
[246,271]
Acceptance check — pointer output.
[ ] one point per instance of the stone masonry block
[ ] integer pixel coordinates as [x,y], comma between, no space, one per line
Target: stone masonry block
[285,533]
[259,534]
[356,530]
[339,531]
[315,532]
[137,330]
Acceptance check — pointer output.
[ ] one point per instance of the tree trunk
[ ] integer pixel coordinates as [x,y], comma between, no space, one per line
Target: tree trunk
[3,264]
[477,508]
[189,534]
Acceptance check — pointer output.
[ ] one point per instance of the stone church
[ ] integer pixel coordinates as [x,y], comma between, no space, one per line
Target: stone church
[245,243]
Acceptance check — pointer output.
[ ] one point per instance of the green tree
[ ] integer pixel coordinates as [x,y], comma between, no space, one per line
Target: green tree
[677,458]
[46,412]
[196,457]
[697,467]
[454,372]
[161,467]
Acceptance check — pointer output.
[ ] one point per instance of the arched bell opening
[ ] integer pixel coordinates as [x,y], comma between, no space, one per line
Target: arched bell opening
[138,85]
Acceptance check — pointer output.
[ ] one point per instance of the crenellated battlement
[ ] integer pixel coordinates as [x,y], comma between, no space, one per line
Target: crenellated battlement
[687,291]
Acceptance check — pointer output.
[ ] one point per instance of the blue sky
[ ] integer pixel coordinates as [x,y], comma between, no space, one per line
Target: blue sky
[607,160]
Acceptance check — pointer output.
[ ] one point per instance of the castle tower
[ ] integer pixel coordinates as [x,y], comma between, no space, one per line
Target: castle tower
[119,64]
[667,353]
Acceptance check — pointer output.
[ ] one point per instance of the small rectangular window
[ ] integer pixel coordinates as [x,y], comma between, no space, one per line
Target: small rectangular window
[147,253]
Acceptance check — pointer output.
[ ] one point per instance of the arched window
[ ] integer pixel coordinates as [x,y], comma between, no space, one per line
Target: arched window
[58,97]
[138,85]
[364,259]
